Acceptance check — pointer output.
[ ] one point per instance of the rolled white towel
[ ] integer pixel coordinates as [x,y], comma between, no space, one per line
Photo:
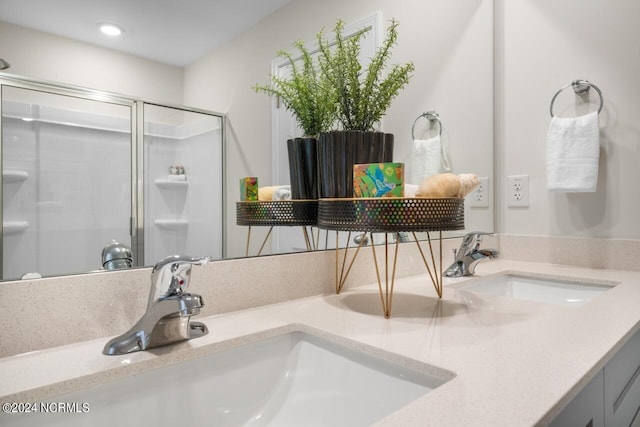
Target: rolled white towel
[282,193]
[410,190]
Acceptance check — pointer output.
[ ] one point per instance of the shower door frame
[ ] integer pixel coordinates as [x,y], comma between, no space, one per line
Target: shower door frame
[140,213]
[136,107]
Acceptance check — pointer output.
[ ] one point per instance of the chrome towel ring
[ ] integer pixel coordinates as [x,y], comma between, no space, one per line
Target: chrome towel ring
[579,86]
[431,116]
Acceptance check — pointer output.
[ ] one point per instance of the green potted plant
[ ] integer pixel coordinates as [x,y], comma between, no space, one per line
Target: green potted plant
[363,97]
[309,96]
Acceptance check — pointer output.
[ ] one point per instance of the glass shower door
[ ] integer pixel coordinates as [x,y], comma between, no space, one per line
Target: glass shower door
[183,176]
[66,181]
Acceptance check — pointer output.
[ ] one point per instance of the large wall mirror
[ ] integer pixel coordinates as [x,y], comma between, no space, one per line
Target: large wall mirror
[450,43]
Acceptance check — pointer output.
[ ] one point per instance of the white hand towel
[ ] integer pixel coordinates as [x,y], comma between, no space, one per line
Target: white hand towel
[427,158]
[282,193]
[410,190]
[573,150]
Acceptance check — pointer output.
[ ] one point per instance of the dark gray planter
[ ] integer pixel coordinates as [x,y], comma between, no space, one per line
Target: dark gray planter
[338,151]
[303,168]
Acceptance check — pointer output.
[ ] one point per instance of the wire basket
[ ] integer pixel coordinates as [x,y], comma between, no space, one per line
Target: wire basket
[387,215]
[277,213]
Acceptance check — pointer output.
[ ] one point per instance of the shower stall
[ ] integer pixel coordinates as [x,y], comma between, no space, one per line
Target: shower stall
[81,169]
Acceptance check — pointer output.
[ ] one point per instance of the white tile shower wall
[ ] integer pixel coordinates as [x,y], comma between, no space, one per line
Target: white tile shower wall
[204,163]
[197,202]
[77,197]
[163,204]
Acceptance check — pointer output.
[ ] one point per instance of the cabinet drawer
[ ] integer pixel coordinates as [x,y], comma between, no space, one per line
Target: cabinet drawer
[585,410]
[622,385]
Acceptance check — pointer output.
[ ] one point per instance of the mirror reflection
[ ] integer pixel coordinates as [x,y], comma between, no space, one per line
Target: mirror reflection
[451,46]
[66,169]
[71,170]
[449,43]
[183,176]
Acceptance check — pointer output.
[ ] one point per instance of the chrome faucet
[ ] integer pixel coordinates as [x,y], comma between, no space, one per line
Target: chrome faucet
[169,310]
[469,255]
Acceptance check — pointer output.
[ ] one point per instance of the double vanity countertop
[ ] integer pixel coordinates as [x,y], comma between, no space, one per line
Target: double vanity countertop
[516,362]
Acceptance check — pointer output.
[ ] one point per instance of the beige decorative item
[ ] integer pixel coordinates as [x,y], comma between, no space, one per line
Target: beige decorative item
[275,192]
[266,193]
[448,185]
[468,181]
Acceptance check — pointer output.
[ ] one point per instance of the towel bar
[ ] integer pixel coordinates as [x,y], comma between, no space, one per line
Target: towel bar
[579,87]
[429,115]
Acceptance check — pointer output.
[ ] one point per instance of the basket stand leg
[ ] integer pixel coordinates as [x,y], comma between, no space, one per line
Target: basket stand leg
[386,294]
[264,242]
[246,251]
[306,237]
[433,270]
[341,274]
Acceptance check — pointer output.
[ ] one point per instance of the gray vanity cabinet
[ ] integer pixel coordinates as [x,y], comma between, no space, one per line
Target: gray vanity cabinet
[622,386]
[612,397]
[586,409]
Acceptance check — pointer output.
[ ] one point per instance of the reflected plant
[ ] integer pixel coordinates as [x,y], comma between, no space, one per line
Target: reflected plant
[307,93]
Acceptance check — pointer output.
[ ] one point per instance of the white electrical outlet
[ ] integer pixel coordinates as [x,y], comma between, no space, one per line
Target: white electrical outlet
[518,191]
[479,198]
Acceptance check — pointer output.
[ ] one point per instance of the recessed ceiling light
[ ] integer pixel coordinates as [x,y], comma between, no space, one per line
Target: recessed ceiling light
[110,29]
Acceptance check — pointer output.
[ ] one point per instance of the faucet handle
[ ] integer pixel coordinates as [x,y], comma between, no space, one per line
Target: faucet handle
[474,237]
[471,241]
[180,259]
[170,275]
[478,234]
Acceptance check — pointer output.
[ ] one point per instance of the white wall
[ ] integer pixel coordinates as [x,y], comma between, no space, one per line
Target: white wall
[542,45]
[450,44]
[45,56]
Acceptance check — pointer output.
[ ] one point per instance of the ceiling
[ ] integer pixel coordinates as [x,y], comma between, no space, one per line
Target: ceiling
[175,32]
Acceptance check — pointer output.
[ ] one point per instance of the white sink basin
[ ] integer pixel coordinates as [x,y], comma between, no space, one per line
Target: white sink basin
[295,379]
[565,291]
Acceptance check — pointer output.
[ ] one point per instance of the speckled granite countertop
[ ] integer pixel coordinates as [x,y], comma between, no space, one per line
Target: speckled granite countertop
[516,362]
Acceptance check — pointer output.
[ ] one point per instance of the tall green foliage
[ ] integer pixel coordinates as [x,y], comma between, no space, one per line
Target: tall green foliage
[363,98]
[307,93]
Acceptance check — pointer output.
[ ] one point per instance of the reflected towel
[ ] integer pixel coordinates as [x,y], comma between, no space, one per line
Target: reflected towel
[427,158]
[573,151]
[282,193]
[410,190]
